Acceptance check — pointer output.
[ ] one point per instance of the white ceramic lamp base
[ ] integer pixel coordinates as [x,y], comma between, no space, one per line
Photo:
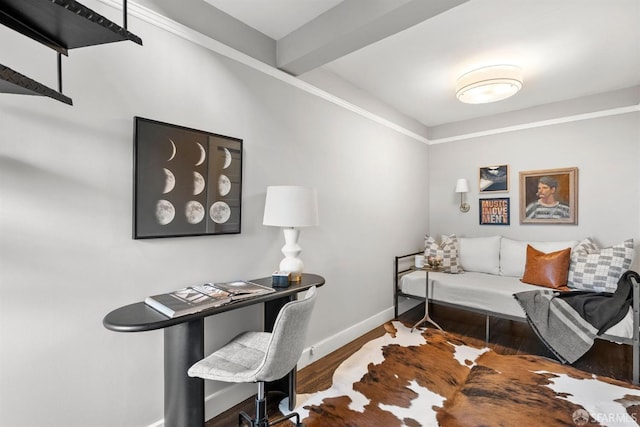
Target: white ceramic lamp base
[291,263]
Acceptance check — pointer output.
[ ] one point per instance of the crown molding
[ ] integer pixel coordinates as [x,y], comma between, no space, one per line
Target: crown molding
[162,22]
[540,123]
[147,15]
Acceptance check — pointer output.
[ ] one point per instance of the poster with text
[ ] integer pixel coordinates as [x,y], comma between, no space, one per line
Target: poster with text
[494,211]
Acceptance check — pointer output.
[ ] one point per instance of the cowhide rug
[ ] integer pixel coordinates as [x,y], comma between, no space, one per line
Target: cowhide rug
[432,378]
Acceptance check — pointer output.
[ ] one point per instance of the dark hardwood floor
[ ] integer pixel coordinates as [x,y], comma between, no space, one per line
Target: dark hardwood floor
[605,358]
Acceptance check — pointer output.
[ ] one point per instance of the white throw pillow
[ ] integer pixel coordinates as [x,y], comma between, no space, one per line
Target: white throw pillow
[513,253]
[597,269]
[481,254]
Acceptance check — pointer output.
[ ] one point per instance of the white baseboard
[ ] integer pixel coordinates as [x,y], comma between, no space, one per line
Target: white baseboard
[221,400]
[217,402]
[343,337]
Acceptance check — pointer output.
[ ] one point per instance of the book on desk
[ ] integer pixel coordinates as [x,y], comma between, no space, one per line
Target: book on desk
[194,299]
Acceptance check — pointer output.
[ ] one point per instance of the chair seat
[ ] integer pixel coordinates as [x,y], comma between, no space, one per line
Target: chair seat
[237,362]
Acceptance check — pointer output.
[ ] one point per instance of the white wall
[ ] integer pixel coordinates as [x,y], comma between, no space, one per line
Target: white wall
[66,253]
[605,150]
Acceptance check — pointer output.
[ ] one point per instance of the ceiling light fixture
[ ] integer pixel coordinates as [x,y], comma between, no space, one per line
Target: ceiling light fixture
[489,84]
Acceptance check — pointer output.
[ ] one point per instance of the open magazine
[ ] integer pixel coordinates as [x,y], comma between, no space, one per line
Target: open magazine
[194,299]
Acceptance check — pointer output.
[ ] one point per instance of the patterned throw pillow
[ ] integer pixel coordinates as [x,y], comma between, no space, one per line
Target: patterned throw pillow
[597,269]
[447,250]
[588,245]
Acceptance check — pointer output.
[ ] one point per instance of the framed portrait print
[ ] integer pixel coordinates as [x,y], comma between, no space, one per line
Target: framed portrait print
[494,211]
[494,179]
[187,182]
[549,196]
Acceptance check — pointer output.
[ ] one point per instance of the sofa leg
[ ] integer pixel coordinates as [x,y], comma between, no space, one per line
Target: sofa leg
[636,331]
[636,363]
[486,330]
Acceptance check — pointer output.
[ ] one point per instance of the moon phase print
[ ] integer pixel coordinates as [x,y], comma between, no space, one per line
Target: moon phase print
[187,182]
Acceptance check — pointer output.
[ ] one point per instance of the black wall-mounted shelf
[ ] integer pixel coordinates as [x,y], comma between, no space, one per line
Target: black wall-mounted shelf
[61,25]
[13,82]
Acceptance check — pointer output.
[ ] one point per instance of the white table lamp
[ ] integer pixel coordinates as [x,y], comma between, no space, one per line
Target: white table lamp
[291,207]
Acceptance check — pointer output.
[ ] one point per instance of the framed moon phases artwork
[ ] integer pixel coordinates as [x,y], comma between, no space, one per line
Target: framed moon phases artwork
[187,182]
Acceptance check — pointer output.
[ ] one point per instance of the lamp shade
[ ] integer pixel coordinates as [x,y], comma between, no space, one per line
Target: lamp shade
[462,186]
[291,206]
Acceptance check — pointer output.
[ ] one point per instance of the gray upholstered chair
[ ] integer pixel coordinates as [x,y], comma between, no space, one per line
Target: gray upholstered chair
[262,356]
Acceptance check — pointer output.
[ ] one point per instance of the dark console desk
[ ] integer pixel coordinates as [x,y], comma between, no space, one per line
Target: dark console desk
[184,346]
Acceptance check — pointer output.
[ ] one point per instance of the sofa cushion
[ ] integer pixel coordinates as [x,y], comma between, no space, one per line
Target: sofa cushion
[447,251]
[547,269]
[476,290]
[481,254]
[599,269]
[513,253]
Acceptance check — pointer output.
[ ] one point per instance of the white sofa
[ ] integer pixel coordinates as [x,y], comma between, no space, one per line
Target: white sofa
[492,269]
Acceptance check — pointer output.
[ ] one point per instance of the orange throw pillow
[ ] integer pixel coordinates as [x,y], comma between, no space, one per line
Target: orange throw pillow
[550,270]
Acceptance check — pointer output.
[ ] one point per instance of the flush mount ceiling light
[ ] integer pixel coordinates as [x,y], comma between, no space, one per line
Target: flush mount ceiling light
[489,84]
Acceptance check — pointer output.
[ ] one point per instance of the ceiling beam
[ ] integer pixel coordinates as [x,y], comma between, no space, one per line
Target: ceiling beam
[352,25]
[206,19]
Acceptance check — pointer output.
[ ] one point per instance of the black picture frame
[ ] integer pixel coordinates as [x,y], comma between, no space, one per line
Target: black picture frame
[187,182]
[495,211]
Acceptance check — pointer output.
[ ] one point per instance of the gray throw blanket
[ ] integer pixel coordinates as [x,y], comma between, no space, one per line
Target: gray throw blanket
[568,322]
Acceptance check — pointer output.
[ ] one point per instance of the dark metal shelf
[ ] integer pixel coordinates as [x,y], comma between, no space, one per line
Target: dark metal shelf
[60,25]
[13,82]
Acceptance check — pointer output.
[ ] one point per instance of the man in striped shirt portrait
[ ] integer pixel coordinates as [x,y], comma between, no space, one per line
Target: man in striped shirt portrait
[547,207]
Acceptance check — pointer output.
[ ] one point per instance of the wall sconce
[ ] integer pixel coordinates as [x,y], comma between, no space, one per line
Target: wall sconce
[462,187]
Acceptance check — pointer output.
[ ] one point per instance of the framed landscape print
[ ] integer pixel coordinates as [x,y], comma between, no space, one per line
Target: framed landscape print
[187,182]
[494,179]
[494,211]
[549,196]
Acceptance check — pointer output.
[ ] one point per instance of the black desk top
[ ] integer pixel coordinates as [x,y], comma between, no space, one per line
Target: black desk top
[139,317]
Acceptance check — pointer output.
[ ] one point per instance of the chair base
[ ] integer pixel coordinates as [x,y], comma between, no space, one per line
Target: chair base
[245,418]
[261,419]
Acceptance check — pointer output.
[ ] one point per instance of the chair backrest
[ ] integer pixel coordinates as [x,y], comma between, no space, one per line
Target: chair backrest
[287,338]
